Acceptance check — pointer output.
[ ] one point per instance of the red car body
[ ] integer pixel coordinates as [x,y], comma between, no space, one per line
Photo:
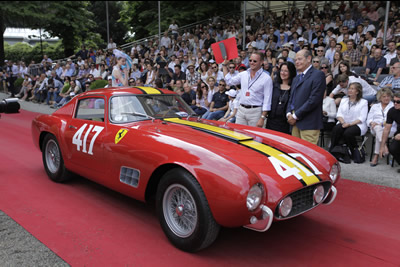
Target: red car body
[225,159]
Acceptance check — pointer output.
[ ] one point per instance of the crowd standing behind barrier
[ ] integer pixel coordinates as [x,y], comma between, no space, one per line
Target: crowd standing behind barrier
[346,40]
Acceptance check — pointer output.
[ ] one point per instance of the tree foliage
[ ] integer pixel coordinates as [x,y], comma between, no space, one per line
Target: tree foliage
[117,29]
[142,16]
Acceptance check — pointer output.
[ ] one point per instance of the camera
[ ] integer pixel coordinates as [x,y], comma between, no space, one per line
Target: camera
[9,105]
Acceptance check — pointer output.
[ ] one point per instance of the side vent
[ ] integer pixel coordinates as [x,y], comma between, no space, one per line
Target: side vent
[129,176]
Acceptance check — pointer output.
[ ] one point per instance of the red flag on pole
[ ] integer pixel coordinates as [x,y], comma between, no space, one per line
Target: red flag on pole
[226,48]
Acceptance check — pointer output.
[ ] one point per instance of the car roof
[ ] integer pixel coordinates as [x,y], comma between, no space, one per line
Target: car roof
[138,90]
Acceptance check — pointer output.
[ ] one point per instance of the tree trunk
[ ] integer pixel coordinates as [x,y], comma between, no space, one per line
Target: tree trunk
[2,30]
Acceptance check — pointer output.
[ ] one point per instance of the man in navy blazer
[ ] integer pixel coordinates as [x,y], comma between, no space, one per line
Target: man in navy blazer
[304,111]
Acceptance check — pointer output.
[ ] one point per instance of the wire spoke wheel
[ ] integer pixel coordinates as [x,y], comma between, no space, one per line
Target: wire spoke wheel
[180,210]
[52,155]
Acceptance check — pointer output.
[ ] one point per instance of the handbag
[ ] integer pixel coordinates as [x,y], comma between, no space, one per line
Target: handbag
[359,153]
[341,153]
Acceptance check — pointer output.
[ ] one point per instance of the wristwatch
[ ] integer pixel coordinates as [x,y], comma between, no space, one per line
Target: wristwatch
[263,117]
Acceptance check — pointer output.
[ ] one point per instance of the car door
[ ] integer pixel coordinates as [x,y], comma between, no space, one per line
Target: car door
[84,136]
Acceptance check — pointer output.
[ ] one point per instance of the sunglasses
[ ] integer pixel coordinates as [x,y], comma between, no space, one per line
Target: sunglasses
[314,61]
[324,67]
[204,86]
[231,68]
[251,60]
[396,101]
[320,50]
[221,84]
[215,67]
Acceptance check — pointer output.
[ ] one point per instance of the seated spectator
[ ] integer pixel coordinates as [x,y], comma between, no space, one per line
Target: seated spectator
[376,64]
[109,80]
[150,75]
[67,96]
[377,118]
[390,53]
[26,89]
[188,94]
[178,87]
[131,82]
[212,89]
[54,89]
[177,75]
[233,105]
[354,55]
[328,75]
[202,103]
[397,58]
[316,62]
[192,76]
[351,116]
[219,103]
[337,58]
[344,68]
[393,116]
[329,111]
[40,89]
[392,81]
[135,72]
[344,83]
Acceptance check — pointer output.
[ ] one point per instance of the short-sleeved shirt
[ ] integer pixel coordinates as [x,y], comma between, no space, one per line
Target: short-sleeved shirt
[220,99]
[374,65]
[394,116]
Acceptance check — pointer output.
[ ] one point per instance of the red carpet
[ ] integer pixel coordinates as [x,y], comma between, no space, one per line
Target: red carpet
[87,224]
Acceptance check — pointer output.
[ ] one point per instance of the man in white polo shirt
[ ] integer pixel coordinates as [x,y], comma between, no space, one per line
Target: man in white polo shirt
[255,94]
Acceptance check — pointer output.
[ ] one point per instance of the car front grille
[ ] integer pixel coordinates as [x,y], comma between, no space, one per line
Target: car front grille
[303,200]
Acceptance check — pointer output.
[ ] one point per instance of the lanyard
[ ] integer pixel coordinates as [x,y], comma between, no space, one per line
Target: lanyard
[248,82]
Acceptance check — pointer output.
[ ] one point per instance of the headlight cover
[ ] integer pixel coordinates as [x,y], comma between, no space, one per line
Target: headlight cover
[335,171]
[254,197]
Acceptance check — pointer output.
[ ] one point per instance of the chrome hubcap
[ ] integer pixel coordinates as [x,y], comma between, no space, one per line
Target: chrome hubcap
[180,211]
[52,155]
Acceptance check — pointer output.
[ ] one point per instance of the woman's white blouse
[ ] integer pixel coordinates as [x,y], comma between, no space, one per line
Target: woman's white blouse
[329,106]
[358,111]
[377,115]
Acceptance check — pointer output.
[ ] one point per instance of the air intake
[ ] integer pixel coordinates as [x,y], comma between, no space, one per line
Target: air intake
[129,176]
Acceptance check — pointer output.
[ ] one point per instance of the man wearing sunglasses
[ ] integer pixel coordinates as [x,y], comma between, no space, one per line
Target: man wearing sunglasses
[392,116]
[255,94]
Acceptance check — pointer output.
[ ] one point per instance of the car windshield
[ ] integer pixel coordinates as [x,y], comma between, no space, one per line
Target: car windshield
[130,108]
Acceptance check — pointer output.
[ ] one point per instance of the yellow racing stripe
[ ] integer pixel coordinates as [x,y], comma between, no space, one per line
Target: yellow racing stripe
[210,128]
[150,90]
[300,171]
[284,164]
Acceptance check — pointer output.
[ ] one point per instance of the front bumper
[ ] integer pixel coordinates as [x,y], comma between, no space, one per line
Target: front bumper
[264,223]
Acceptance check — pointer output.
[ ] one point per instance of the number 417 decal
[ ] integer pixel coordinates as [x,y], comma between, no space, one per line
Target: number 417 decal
[77,139]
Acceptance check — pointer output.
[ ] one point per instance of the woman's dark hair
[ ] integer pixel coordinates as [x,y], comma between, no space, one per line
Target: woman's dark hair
[292,72]
[199,92]
[205,63]
[347,64]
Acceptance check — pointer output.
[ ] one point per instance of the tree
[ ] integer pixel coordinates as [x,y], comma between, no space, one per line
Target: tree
[18,14]
[142,16]
[71,21]
[117,29]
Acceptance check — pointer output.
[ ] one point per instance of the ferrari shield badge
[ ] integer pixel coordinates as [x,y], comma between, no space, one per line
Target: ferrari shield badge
[121,133]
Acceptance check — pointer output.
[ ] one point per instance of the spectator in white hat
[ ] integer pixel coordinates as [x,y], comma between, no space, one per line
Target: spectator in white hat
[233,105]
[109,79]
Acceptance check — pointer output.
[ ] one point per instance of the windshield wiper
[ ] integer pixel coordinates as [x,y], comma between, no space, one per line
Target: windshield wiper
[139,114]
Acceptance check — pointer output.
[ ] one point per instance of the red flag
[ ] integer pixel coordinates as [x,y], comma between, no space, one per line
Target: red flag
[227,48]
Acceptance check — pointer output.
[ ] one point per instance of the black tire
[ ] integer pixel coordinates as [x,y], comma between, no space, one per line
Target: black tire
[195,228]
[53,161]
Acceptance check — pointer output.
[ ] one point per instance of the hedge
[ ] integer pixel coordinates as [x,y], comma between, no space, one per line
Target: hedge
[98,84]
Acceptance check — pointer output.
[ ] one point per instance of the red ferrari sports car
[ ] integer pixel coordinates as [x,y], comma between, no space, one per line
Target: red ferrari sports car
[145,142]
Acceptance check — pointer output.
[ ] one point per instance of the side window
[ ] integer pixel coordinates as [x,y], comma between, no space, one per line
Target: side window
[91,109]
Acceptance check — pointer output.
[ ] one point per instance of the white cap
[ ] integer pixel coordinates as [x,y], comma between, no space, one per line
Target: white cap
[109,78]
[231,93]
[301,39]
[287,45]
[211,61]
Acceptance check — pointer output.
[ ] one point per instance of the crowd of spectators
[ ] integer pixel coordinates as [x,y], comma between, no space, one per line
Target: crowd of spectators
[346,43]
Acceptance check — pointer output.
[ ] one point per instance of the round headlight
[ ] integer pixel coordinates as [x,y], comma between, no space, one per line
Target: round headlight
[254,197]
[285,207]
[335,171]
[319,193]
